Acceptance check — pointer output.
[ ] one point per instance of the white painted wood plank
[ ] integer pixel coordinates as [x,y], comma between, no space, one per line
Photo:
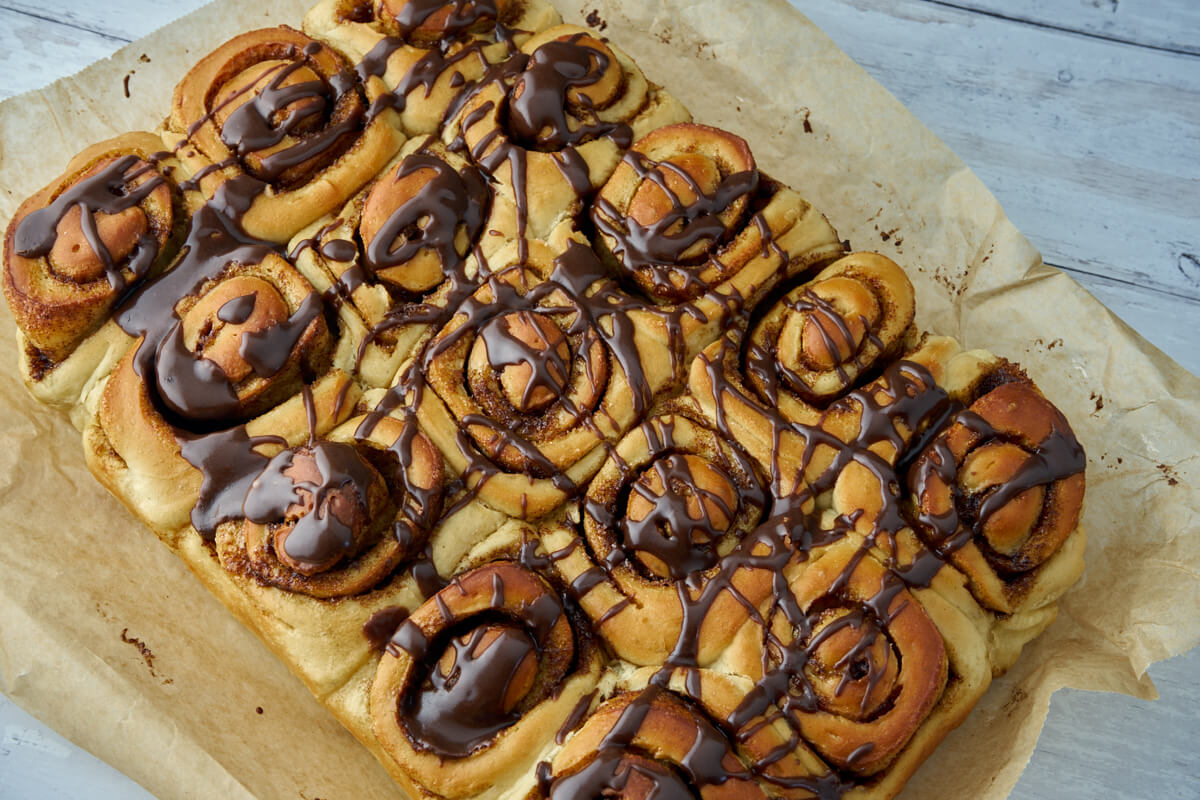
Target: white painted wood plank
[1170,322]
[34,52]
[1166,24]
[128,20]
[1112,201]
[1093,147]
[1108,745]
[35,762]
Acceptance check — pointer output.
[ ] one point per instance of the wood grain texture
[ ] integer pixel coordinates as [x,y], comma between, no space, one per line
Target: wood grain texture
[124,21]
[1163,24]
[34,52]
[1083,116]
[1092,146]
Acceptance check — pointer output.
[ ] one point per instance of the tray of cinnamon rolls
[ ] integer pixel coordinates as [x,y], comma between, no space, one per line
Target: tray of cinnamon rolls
[560,450]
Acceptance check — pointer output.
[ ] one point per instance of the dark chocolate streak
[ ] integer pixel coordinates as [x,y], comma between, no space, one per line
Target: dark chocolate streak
[432,218]
[657,249]
[464,15]
[380,626]
[109,191]
[669,532]
[320,536]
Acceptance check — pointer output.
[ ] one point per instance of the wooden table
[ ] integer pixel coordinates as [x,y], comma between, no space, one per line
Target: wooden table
[1083,116]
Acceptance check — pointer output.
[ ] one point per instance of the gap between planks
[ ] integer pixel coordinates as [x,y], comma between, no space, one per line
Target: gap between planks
[1169,25]
[1093,148]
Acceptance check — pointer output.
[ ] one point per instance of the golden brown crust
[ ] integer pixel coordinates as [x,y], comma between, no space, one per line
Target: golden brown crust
[498,599]
[994,472]
[310,168]
[72,251]
[656,738]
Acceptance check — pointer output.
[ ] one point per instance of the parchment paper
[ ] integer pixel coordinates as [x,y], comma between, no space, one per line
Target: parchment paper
[107,638]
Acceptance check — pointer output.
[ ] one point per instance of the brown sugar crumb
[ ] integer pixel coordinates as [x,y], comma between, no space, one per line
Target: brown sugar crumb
[594,20]
[147,655]
[1170,474]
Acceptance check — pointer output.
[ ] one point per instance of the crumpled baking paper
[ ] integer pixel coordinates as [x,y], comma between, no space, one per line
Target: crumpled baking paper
[106,637]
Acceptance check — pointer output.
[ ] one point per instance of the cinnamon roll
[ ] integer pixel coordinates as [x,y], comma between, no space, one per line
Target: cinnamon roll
[403,253]
[644,745]
[550,124]
[787,386]
[282,122]
[474,684]
[999,493]
[528,380]
[879,429]
[688,217]
[427,53]
[671,502]
[336,516]
[781,763]
[325,536]
[814,342]
[73,251]
[225,343]
[867,674]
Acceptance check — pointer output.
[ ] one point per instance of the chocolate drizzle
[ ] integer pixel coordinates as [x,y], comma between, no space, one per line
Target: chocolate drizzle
[289,127]
[462,16]
[237,310]
[658,250]
[382,625]
[229,464]
[1055,458]
[431,219]
[538,106]
[471,675]
[111,190]
[768,370]
[457,712]
[619,768]
[671,532]
[336,503]
[547,366]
